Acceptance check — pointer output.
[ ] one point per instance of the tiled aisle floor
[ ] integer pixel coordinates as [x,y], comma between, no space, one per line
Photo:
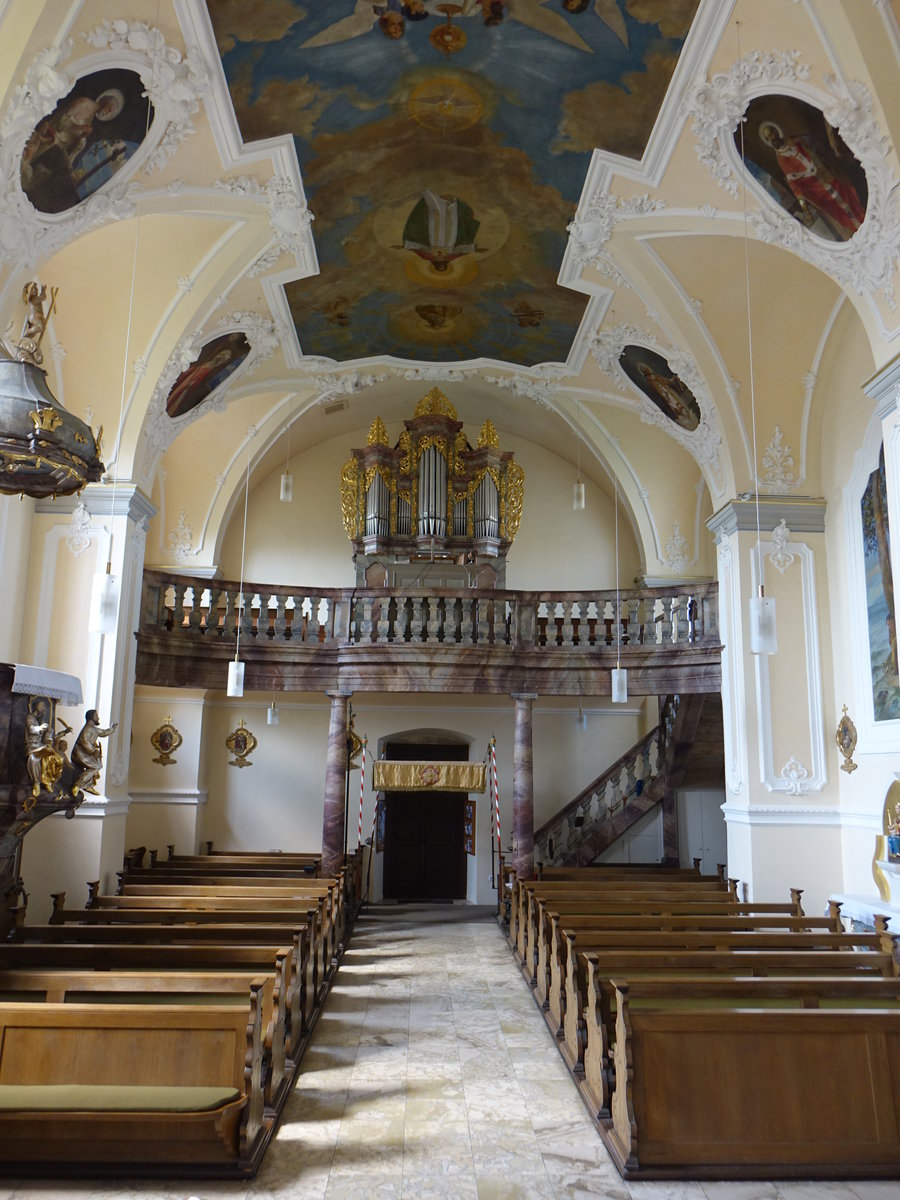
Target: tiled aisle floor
[432,1074]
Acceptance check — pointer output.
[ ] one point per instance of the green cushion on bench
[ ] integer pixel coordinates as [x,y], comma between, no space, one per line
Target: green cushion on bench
[87,1097]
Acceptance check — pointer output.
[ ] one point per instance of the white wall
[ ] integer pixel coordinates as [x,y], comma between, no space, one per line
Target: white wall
[15,549]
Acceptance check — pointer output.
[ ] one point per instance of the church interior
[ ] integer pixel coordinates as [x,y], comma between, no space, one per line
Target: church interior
[447,460]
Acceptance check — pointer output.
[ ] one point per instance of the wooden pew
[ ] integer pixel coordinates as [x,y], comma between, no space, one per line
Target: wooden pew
[743,1093]
[213,936]
[188,956]
[113,911]
[585,914]
[171,987]
[735,991]
[567,899]
[335,924]
[599,894]
[101,1089]
[701,920]
[568,999]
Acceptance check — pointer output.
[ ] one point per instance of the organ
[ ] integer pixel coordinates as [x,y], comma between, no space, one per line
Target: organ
[431,499]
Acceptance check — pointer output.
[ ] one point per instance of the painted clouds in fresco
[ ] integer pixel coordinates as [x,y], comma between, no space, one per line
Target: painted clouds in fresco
[441,183]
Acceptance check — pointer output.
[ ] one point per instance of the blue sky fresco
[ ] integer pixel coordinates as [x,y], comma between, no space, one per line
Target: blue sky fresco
[442,184]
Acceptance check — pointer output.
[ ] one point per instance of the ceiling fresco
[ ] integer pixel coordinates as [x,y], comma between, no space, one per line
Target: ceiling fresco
[443,149]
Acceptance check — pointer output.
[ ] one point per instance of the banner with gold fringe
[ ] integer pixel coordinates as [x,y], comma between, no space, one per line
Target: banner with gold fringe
[428,776]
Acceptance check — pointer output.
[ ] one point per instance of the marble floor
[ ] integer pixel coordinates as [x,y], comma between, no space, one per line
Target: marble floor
[431,1073]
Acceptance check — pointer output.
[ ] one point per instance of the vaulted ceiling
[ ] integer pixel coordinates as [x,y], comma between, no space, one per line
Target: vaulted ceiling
[548,212]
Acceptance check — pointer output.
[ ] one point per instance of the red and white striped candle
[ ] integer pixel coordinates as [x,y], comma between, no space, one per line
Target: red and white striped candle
[362,784]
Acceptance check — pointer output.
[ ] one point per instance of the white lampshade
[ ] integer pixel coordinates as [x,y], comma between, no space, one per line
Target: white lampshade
[578,495]
[235,679]
[619,685]
[582,719]
[104,604]
[272,714]
[763,632]
[286,494]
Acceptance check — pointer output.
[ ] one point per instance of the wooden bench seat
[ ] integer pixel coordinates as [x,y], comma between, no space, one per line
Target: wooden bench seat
[677,991]
[747,1093]
[612,902]
[171,987]
[247,889]
[209,937]
[100,1089]
[633,922]
[200,956]
[319,958]
[567,1002]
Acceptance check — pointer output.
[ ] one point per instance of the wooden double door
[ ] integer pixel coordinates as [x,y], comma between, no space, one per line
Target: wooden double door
[424,849]
[424,854]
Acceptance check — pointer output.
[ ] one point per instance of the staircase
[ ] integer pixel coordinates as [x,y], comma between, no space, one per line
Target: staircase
[686,747]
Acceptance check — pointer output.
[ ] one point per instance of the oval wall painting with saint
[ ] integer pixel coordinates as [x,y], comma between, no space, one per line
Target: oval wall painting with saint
[216,361]
[86,140]
[805,165]
[652,374]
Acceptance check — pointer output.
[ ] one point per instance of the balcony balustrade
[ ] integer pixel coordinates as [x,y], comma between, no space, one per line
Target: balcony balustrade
[419,639]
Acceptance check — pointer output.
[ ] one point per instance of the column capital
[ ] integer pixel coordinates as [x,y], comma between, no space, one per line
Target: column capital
[803,514]
[523,695]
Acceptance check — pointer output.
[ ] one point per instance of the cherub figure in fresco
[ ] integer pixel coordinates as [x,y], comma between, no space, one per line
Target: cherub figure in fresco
[390,16]
[607,10]
[387,15]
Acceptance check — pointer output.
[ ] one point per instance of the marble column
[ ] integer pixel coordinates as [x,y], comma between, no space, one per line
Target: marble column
[523,787]
[335,785]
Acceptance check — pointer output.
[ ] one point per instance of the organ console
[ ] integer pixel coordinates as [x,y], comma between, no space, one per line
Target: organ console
[432,496]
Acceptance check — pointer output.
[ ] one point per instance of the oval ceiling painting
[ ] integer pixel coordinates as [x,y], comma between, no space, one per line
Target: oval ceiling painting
[216,361]
[85,141]
[652,374]
[805,165]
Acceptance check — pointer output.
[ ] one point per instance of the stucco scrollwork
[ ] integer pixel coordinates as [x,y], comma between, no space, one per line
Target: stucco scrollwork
[868,261]
[174,86]
[778,461]
[780,554]
[796,777]
[704,443]
[595,223]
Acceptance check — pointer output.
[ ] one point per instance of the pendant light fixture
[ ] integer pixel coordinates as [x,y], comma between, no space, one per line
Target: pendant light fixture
[578,485]
[286,494]
[272,715]
[619,682]
[236,668]
[762,629]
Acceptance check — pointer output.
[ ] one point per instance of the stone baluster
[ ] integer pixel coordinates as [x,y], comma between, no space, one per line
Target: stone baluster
[383,624]
[280,624]
[567,631]
[468,606]
[417,622]
[361,619]
[215,611]
[435,619]
[195,616]
[178,608]
[482,626]
[453,621]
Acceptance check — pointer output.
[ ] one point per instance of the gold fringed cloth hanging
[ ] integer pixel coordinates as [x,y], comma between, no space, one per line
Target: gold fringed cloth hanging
[428,776]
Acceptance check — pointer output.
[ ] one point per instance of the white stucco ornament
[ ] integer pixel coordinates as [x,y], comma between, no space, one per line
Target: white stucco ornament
[704,443]
[174,86]
[867,262]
